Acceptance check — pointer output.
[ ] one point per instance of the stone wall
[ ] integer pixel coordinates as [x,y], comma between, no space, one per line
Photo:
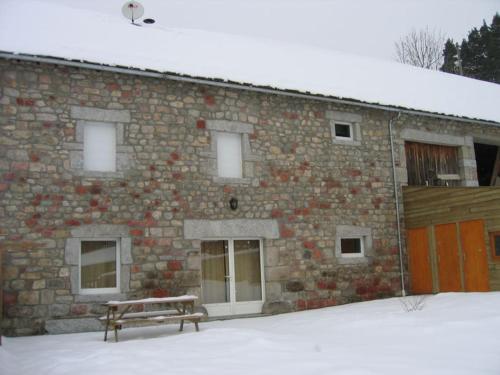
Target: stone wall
[295,175]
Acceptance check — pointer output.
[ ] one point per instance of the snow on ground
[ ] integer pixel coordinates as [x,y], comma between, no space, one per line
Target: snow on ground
[62,31]
[455,334]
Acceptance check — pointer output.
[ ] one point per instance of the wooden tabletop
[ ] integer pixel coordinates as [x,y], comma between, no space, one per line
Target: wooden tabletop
[180,299]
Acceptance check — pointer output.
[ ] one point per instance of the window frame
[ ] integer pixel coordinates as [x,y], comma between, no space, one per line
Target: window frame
[492,236]
[85,127]
[361,254]
[91,291]
[342,138]
[241,157]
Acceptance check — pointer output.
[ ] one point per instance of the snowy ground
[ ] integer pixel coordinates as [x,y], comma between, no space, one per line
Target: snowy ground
[453,334]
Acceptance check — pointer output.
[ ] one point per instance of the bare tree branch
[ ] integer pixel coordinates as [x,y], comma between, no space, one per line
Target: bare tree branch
[421,48]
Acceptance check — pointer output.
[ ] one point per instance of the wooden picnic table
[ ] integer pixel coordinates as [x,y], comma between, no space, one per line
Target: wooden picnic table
[181,309]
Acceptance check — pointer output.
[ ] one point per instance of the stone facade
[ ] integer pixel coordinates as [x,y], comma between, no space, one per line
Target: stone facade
[296,177]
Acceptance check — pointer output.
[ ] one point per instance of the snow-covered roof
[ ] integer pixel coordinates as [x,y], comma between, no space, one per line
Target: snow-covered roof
[58,30]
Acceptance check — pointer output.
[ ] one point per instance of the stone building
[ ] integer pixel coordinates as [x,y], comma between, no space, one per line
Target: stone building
[121,183]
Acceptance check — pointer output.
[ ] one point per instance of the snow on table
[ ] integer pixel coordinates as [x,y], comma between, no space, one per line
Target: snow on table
[454,334]
[185,298]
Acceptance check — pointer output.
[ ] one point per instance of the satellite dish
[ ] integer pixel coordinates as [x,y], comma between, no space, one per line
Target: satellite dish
[132,10]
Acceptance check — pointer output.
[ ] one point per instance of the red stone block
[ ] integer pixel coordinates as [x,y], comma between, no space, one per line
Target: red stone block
[10,176]
[95,189]
[301,304]
[209,100]
[112,86]
[286,232]
[149,242]
[72,223]
[3,187]
[264,184]
[309,245]
[80,189]
[168,275]
[352,172]
[201,124]
[34,158]
[136,268]
[177,176]
[136,232]
[174,156]
[25,102]
[9,298]
[79,309]
[174,265]
[93,203]
[31,222]
[20,166]
[159,293]
[276,213]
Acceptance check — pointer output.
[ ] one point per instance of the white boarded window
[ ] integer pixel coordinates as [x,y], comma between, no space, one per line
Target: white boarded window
[229,155]
[99,147]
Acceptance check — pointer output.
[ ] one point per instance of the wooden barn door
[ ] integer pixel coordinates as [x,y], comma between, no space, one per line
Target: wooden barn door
[475,257]
[447,257]
[419,261]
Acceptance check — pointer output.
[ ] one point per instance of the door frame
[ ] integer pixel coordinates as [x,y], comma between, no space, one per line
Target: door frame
[233,307]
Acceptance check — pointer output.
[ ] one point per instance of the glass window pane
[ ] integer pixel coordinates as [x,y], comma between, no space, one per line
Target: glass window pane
[214,269]
[229,155]
[98,264]
[342,130]
[350,245]
[247,270]
[496,240]
[99,147]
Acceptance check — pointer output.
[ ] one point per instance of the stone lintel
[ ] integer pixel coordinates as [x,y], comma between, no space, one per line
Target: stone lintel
[229,126]
[343,116]
[98,114]
[432,138]
[243,228]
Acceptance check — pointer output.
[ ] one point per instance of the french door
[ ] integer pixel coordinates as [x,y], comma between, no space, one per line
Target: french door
[232,276]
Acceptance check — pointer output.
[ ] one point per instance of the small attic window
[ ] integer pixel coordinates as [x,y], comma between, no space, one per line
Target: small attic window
[343,131]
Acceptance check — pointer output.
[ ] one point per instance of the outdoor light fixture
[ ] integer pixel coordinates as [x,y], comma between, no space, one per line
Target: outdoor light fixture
[233,203]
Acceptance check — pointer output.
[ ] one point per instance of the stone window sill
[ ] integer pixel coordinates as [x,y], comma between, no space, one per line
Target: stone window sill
[230,180]
[87,298]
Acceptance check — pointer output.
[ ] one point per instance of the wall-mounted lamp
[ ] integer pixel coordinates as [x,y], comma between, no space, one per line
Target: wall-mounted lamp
[233,203]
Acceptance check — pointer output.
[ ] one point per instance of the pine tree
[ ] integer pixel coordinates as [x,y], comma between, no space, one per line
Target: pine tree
[479,54]
[450,52]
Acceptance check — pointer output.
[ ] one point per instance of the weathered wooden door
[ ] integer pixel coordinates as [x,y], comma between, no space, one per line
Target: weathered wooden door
[476,277]
[419,261]
[447,258]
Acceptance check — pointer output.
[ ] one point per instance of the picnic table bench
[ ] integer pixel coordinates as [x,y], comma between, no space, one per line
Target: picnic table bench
[118,315]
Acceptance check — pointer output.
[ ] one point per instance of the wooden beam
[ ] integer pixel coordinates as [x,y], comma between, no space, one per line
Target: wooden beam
[496,169]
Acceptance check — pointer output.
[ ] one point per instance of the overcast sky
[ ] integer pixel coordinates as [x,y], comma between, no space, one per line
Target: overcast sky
[367,27]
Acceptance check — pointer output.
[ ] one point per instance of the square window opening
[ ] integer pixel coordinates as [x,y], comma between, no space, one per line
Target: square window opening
[352,247]
[495,245]
[99,266]
[229,157]
[99,147]
[343,131]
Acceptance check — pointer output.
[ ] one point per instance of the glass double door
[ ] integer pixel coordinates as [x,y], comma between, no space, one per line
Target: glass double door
[232,282]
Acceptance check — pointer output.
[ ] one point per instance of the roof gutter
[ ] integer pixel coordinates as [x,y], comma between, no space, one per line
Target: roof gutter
[231,85]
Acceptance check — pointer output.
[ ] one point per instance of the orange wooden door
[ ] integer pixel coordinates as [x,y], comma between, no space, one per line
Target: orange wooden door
[475,259]
[448,260]
[419,261]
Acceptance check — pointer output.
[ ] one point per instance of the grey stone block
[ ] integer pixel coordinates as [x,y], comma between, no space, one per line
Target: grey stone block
[58,326]
[277,307]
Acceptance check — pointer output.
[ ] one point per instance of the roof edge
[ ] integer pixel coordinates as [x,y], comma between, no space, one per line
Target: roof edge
[233,85]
